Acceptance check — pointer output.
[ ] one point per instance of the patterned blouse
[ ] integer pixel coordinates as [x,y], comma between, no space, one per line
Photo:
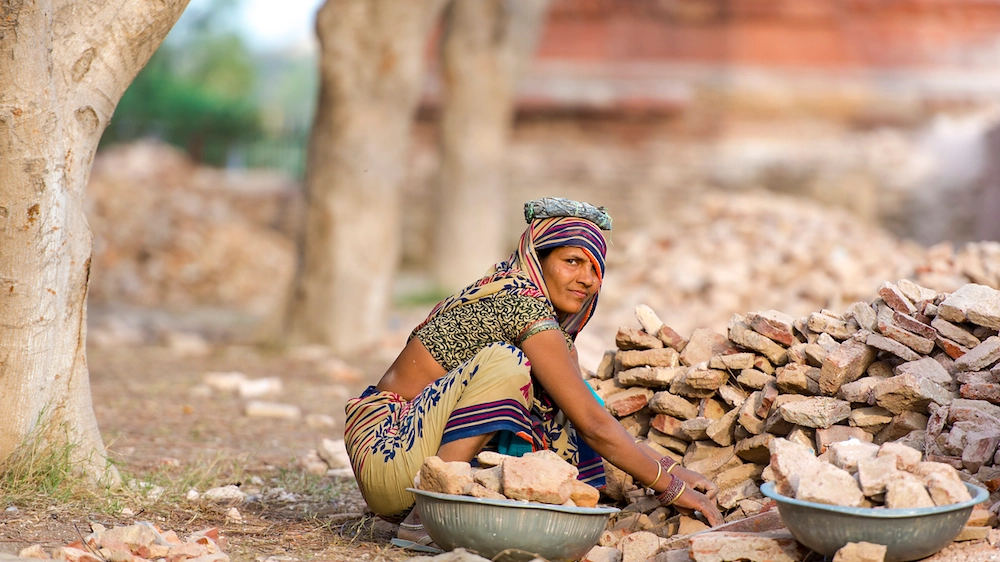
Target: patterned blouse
[455,336]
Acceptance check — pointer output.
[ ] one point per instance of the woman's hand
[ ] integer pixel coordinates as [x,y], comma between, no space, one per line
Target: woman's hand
[696,501]
[696,481]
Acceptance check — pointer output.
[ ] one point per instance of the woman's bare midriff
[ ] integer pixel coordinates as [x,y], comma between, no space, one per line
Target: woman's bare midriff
[411,372]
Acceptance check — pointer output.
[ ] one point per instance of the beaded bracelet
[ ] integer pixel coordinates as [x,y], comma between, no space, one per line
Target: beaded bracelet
[667,463]
[672,492]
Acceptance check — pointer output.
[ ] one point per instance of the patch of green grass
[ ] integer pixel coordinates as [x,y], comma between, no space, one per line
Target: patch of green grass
[42,470]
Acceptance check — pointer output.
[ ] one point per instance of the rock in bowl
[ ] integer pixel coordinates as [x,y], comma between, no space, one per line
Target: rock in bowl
[908,534]
[489,527]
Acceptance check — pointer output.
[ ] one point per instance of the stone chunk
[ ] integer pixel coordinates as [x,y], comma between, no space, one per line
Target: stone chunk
[825,437]
[902,424]
[909,339]
[844,365]
[956,333]
[651,377]
[945,491]
[602,554]
[926,368]
[489,478]
[662,357]
[631,338]
[815,412]
[825,483]
[775,325]
[741,334]
[583,494]
[637,547]
[721,430]
[606,368]
[628,401]
[752,378]
[538,477]
[798,378]
[915,292]
[755,449]
[974,303]
[895,298]
[989,392]
[860,552]
[705,379]
[774,546]
[826,324]
[879,341]
[705,344]
[789,460]
[443,477]
[909,392]
[981,356]
[907,458]
[668,425]
[905,493]
[871,419]
[864,315]
[672,405]
[859,391]
[847,454]
[874,474]
[733,362]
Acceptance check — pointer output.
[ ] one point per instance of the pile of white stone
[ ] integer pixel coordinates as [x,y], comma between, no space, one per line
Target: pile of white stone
[542,477]
[859,474]
[140,542]
[913,366]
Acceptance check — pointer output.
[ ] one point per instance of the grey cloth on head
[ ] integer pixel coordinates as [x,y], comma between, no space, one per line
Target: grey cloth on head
[548,207]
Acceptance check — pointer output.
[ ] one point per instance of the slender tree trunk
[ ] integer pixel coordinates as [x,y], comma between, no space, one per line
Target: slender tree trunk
[64,65]
[486,45]
[371,70]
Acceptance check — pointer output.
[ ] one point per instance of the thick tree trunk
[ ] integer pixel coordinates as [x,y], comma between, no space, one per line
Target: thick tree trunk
[486,45]
[64,66]
[371,69]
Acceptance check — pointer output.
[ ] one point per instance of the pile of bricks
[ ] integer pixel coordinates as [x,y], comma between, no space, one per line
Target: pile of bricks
[912,366]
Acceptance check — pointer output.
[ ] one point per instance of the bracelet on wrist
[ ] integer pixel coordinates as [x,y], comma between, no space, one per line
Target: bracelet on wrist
[673,491]
[659,473]
[667,463]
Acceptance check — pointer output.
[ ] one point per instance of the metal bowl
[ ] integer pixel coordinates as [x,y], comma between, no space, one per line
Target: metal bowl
[488,527]
[908,534]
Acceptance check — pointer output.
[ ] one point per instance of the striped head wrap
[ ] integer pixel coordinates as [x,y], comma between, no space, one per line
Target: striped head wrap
[521,273]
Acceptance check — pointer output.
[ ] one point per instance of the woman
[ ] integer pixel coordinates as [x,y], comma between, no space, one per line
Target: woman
[494,367]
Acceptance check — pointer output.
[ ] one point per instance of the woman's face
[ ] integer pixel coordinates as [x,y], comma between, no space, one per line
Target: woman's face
[570,278]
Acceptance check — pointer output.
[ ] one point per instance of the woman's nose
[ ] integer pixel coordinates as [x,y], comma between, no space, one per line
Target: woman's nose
[588,277]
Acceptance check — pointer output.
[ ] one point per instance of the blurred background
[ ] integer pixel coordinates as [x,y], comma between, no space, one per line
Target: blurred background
[755,154]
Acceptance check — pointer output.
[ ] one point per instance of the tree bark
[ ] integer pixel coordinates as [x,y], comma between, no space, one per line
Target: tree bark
[371,70]
[64,65]
[486,45]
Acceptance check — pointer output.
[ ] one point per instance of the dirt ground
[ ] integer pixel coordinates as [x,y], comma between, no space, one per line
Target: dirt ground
[161,429]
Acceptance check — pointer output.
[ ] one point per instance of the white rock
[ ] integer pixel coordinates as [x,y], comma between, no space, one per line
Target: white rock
[192,495]
[234,515]
[334,452]
[320,421]
[224,381]
[255,388]
[224,494]
[258,409]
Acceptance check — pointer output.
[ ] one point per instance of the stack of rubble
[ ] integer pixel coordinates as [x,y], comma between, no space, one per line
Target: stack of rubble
[542,477]
[912,366]
[757,251]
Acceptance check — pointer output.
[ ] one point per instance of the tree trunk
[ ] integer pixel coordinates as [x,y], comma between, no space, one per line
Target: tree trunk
[64,65]
[486,45]
[371,70]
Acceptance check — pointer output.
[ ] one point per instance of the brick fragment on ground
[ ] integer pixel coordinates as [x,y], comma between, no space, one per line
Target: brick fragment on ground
[775,546]
[860,552]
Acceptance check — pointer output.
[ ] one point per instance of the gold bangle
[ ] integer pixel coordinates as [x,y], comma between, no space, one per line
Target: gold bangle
[659,473]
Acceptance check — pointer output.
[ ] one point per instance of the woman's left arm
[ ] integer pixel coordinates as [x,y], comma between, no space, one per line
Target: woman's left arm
[559,373]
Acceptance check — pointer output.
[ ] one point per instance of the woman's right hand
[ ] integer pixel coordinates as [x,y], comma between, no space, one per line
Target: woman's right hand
[694,500]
